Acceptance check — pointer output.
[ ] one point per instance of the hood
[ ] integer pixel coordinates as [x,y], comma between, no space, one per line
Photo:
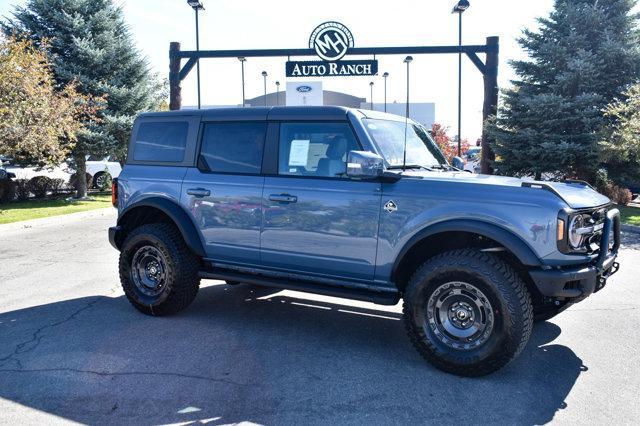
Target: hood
[577,195]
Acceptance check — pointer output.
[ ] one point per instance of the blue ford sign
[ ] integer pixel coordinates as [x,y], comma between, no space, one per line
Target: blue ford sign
[304,89]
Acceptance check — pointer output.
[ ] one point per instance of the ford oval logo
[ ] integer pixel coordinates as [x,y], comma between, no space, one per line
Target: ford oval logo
[303,89]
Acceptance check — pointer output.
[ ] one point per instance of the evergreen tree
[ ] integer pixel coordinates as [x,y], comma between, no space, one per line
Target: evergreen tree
[620,149]
[90,44]
[583,56]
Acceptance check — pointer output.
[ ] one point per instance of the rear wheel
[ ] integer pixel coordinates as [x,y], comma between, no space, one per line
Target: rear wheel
[99,179]
[467,312]
[159,274]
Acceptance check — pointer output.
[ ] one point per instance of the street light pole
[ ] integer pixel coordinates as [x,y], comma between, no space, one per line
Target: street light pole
[407,61]
[385,75]
[277,93]
[371,98]
[197,5]
[264,75]
[460,7]
[242,60]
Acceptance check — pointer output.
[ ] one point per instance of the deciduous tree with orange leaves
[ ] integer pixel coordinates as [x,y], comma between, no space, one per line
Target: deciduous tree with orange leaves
[39,121]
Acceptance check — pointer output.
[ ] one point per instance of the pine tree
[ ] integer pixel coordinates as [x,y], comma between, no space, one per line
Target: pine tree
[620,149]
[91,44]
[583,56]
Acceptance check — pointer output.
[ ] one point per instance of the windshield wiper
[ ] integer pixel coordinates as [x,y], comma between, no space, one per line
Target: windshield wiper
[445,167]
[408,166]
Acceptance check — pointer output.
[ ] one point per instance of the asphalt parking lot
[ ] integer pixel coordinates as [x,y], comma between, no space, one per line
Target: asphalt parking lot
[72,349]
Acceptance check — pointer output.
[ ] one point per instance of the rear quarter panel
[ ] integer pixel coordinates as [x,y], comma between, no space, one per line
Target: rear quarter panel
[137,182]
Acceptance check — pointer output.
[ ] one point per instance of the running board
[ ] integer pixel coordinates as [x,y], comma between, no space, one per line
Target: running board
[377,297]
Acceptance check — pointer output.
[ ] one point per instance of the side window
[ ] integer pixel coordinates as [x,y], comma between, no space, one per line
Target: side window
[233,147]
[315,149]
[161,141]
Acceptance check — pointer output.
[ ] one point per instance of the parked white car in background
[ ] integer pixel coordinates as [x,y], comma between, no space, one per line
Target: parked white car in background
[96,167]
[472,159]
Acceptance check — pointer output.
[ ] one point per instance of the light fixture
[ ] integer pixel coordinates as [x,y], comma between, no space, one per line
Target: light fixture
[461,6]
[196,4]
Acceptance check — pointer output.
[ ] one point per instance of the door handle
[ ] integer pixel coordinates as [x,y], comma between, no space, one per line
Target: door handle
[283,198]
[198,192]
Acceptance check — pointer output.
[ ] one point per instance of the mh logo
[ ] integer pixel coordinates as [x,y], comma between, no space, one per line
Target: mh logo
[331,40]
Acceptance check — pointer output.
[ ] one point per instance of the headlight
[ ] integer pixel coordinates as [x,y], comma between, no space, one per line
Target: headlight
[577,232]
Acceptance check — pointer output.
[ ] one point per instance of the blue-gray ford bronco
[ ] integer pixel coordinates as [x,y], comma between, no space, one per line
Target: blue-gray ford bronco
[360,205]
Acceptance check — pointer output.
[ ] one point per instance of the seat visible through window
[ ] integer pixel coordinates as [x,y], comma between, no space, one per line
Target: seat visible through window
[315,149]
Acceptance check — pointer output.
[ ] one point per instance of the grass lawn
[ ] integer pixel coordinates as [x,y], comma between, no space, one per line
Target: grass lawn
[25,210]
[629,215]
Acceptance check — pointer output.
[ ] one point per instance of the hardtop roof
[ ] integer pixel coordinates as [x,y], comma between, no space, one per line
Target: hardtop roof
[337,113]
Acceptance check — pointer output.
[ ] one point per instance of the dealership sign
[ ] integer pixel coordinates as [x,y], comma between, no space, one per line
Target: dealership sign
[331,41]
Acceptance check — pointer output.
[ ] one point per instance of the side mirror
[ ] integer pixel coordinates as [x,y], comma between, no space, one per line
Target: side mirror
[364,165]
[458,163]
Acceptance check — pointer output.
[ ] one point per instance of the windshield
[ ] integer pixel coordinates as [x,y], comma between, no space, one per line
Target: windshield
[389,137]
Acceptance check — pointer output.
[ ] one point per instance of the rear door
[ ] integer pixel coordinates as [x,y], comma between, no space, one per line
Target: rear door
[224,191]
[316,220]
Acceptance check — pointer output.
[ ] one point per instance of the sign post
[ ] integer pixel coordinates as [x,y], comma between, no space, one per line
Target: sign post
[331,41]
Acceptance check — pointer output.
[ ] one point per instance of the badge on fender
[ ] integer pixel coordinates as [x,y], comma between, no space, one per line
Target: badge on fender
[391,206]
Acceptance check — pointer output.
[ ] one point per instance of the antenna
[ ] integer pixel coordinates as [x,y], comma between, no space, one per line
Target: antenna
[407,61]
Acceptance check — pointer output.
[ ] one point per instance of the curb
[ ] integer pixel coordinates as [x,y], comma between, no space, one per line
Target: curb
[59,220]
[630,228]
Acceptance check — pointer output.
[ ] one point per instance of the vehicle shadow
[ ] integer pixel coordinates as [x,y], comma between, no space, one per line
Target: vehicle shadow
[243,353]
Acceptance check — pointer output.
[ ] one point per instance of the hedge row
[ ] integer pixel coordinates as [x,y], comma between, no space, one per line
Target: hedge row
[39,186]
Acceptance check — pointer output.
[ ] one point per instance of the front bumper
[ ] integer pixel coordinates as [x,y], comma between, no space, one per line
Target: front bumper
[578,283]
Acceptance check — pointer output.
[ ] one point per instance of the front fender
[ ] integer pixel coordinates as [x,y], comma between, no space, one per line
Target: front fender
[504,237]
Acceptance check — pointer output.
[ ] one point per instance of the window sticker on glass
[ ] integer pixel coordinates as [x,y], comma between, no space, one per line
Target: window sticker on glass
[299,152]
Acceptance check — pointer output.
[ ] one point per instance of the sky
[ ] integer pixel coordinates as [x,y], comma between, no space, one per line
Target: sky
[254,24]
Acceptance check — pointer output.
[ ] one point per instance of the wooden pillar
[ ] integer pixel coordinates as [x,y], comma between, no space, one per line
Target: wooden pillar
[175,91]
[490,105]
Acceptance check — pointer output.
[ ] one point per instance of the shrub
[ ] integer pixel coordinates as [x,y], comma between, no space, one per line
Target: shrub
[40,186]
[58,186]
[618,194]
[22,189]
[73,181]
[7,190]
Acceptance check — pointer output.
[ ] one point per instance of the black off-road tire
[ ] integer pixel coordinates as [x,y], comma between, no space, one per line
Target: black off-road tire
[181,281]
[504,289]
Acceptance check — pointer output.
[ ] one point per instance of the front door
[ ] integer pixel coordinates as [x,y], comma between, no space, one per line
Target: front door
[316,220]
[224,193]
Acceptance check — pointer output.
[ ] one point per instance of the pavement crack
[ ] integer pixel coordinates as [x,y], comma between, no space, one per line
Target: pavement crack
[36,336]
[125,374]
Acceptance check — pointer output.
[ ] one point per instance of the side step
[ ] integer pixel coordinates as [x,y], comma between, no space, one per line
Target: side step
[378,297]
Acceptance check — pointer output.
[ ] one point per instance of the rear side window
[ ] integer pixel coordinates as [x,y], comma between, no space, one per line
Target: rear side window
[161,141]
[233,147]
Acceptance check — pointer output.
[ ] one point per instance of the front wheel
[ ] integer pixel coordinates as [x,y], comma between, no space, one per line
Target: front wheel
[158,272]
[467,312]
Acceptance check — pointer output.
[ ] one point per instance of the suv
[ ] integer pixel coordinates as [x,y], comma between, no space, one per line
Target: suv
[361,205]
